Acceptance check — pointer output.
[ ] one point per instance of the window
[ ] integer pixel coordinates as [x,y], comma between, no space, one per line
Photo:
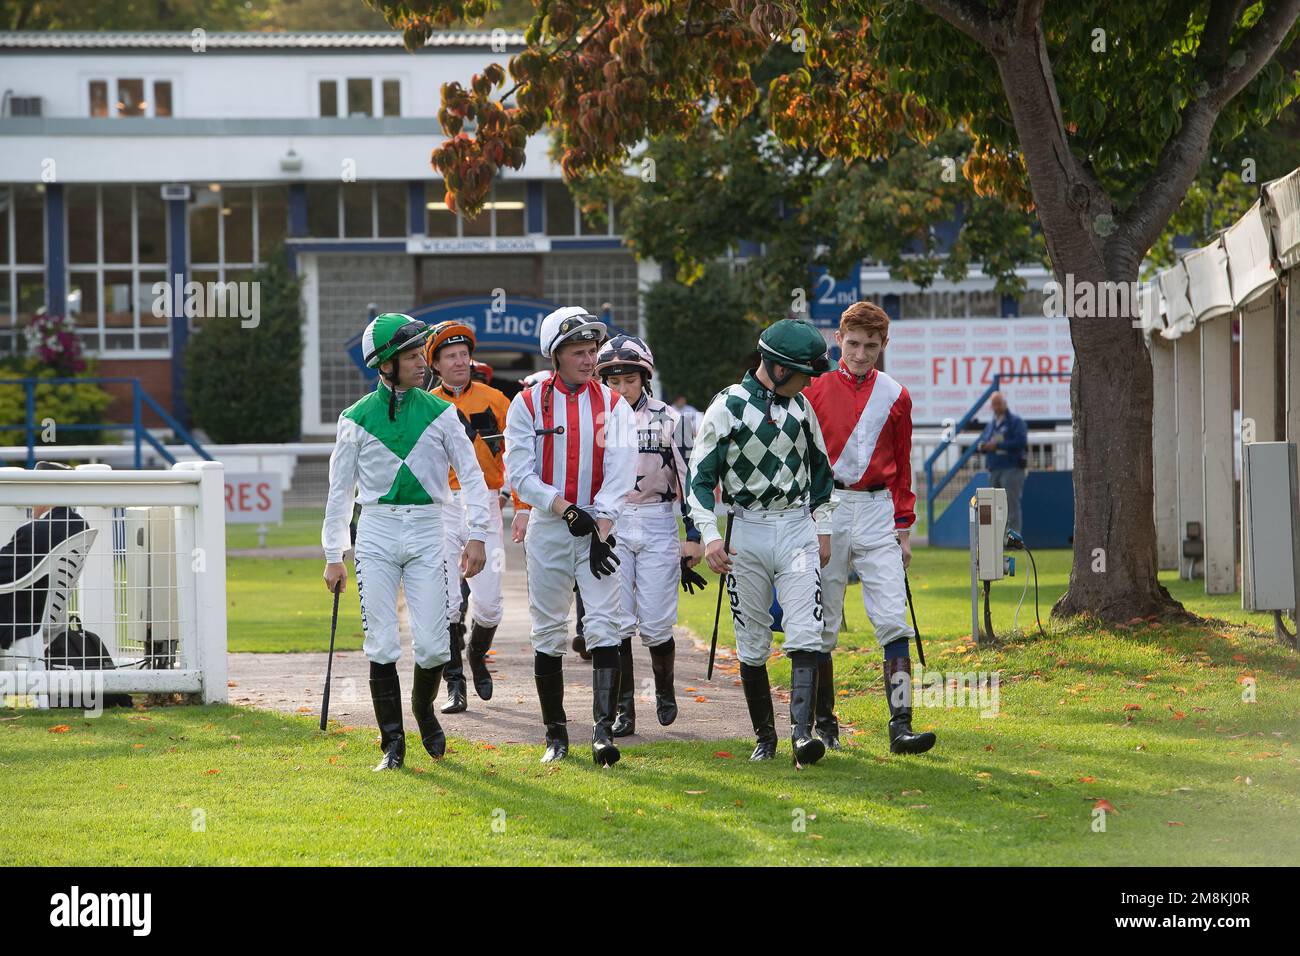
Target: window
[559,209]
[504,214]
[361,96]
[392,98]
[390,203]
[509,200]
[236,228]
[323,210]
[272,218]
[162,98]
[98,97]
[329,98]
[117,242]
[22,260]
[440,222]
[358,210]
[130,98]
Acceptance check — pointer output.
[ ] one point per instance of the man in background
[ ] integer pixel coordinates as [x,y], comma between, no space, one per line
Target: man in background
[1005,441]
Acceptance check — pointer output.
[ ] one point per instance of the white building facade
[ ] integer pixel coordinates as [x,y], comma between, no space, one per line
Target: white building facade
[131,159]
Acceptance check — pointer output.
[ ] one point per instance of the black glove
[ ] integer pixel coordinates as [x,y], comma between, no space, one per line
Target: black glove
[691,579]
[580,523]
[603,560]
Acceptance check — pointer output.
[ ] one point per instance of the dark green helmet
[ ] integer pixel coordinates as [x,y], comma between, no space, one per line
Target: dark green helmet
[796,344]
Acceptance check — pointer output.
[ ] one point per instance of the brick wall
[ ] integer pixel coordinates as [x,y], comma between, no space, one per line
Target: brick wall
[155,377]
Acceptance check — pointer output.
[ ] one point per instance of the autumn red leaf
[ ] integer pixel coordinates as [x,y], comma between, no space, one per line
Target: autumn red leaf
[1087,779]
[59,729]
[722,753]
[1104,804]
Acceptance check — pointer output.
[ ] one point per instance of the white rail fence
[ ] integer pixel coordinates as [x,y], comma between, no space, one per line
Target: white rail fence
[151,583]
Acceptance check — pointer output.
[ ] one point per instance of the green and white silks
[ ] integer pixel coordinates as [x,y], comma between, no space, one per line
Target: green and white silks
[400,462]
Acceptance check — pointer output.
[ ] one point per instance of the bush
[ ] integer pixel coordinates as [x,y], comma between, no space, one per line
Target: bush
[702,338]
[69,403]
[245,384]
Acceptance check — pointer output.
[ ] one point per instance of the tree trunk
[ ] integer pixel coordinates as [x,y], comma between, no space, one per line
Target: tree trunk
[1114,573]
[1113,576]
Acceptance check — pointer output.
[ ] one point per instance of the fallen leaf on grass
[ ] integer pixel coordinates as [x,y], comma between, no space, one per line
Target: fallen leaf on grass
[59,729]
[1132,706]
[722,753]
[1174,823]
[696,793]
[212,771]
[1035,773]
[984,775]
[1104,804]
[1087,779]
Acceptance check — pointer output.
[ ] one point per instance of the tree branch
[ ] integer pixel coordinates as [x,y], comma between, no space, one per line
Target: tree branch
[972,19]
[1184,152]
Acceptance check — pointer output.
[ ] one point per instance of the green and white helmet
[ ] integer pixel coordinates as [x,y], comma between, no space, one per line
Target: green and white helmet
[389,334]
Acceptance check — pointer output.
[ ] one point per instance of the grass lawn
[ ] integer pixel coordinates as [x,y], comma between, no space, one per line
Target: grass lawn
[275,604]
[1196,776]
[301,527]
[1150,719]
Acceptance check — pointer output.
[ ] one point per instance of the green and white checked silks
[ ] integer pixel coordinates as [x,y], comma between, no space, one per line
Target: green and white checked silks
[400,462]
[764,464]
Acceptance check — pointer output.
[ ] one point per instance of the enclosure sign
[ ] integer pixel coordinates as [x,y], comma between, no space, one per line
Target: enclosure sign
[254,498]
[947,364]
[500,322]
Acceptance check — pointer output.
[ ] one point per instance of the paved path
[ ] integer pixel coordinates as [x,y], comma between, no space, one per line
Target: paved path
[292,682]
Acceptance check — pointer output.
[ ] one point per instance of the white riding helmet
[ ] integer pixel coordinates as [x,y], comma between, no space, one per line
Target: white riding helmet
[571,323]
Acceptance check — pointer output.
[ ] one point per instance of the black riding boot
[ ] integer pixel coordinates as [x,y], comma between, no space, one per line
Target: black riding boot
[550,693]
[424,690]
[480,642]
[803,694]
[758,697]
[580,640]
[604,701]
[828,728]
[457,700]
[386,693]
[625,718]
[898,693]
[661,660]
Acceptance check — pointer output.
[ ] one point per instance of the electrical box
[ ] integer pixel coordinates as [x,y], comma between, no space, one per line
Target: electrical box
[1270,525]
[990,531]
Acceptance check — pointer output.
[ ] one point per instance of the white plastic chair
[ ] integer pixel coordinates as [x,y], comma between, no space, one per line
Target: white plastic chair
[63,567]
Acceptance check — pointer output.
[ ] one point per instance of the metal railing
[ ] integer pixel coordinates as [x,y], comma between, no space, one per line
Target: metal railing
[140,400]
[954,436]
